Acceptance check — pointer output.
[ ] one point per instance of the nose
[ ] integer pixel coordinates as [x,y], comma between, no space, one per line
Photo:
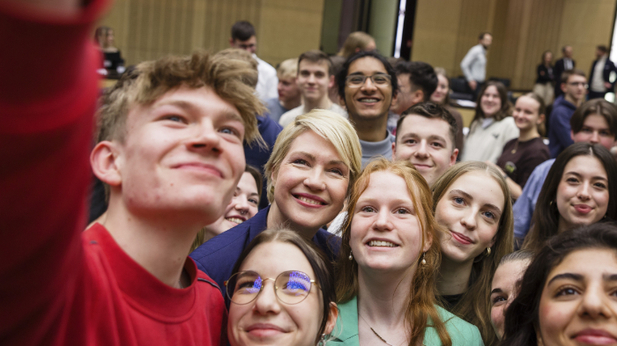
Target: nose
[368,85]
[241,204]
[314,180]
[583,191]
[469,219]
[382,223]
[422,149]
[595,137]
[266,301]
[593,304]
[204,137]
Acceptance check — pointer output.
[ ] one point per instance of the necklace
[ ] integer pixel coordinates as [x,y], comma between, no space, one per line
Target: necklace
[515,147]
[374,332]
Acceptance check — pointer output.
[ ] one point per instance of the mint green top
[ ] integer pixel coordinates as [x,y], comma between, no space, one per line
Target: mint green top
[461,332]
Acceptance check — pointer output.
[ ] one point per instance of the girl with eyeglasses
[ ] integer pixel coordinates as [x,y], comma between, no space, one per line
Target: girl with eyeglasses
[281,292]
[388,259]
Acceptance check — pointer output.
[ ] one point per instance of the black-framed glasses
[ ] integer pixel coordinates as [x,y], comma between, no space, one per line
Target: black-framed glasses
[356,80]
[291,287]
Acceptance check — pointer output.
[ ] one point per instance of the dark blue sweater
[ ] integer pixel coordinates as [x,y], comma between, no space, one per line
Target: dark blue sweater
[217,256]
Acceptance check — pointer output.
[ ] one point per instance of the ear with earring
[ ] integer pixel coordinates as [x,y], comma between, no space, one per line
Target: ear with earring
[323,340]
[423,262]
[350,256]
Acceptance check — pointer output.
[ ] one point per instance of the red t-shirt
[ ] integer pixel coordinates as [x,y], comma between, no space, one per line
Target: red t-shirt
[59,286]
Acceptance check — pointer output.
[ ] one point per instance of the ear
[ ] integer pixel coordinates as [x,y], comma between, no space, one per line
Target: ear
[453,157]
[332,317]
[572,135]
[417,96]
[393,151]
[563,86]
[231,42]
[105,163]
[428,241]
[541,120]
[331,83]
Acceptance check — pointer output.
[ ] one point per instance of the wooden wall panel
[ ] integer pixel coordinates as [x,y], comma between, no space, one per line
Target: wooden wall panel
[149,29]
[522,30]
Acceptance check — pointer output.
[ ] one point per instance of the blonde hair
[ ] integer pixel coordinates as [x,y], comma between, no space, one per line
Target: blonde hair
[330,126]
[355,41]
[287,69]
[421,300]
[473,306]
[229,78]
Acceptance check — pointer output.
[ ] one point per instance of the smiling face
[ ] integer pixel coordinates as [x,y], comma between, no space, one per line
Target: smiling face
[504,290]
[242,207]
[369,100]
[490,101]
[266,320]
[386,235]
[310,185]
[469,211]
[526,114]
[582,193]
[578,304]
[426,143]
[313,80]
[183,153]
[439,96]
[595,130]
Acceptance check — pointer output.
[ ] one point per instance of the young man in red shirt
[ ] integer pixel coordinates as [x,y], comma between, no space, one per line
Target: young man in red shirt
[170,152]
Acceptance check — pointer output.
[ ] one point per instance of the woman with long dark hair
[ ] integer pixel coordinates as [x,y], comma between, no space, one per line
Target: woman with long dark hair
[567,296]
[580,189]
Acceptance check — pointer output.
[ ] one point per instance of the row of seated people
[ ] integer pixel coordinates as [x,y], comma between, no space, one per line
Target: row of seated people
[419,243]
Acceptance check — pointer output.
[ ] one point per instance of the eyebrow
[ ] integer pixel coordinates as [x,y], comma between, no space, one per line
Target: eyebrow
[497,290]
[571,276]
[313,158]
[362,73]
[414,134]
[468,196]
[189,107]
[580,176]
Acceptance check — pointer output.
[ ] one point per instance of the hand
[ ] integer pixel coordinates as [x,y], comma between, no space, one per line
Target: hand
[473,84]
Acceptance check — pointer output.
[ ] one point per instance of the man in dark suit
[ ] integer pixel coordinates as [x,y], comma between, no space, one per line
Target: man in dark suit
[563,64]
[599,76]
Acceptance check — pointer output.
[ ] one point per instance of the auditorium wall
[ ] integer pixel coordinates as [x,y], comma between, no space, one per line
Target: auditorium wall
[522,30]
[148,29]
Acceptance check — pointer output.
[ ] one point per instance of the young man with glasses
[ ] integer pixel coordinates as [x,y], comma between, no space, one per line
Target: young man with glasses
[368,85]
[574,86]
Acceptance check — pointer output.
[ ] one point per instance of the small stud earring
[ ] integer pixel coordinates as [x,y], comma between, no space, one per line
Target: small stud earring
[488,251]
[350,256]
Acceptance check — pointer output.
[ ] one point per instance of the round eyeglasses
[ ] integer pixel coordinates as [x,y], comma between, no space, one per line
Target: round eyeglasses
[291,287]
[356,80]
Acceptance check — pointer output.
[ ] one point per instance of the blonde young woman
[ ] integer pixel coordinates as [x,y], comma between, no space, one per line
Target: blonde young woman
[387,264]
[474,209]
[313,162]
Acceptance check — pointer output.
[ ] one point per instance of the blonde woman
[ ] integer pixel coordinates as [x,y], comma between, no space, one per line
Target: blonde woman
[313,162]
